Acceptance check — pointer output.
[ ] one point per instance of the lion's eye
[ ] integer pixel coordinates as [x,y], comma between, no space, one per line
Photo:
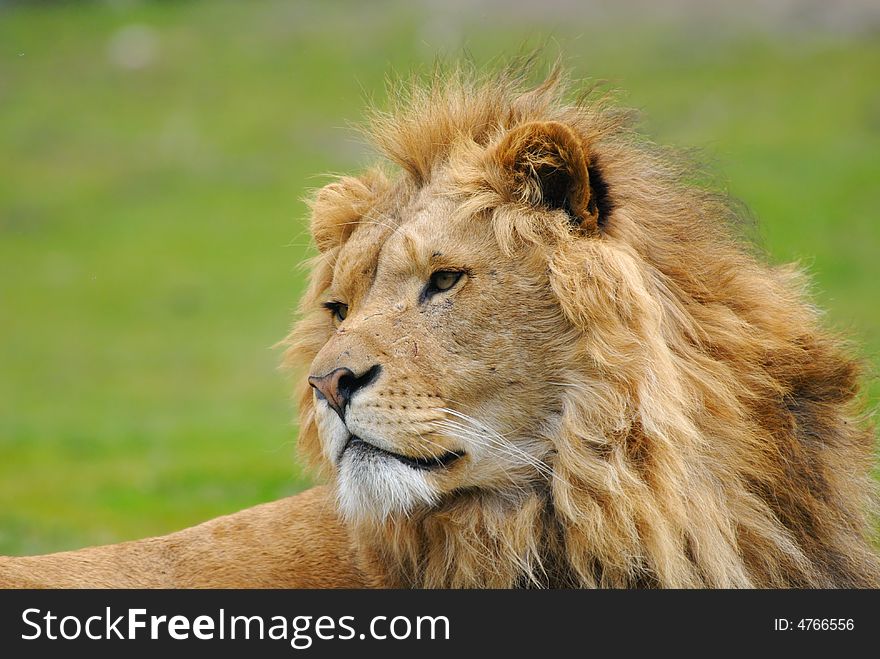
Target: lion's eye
[443,280]
[338,310]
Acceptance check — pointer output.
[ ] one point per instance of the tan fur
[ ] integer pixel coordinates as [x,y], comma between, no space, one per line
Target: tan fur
[296,542]
[639,400]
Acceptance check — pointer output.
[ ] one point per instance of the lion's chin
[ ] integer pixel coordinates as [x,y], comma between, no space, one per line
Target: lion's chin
[371,487]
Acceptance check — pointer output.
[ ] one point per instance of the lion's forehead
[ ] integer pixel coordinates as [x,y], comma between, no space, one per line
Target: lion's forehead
[394,243]
[358,259]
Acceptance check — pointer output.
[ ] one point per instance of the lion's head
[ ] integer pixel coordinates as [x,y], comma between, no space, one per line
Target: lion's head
[537,355]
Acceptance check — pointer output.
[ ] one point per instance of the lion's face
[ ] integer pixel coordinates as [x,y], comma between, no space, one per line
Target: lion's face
[437,373]
[537,354]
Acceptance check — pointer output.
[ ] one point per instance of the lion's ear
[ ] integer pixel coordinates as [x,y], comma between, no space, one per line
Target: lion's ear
[339,206]
[545,163]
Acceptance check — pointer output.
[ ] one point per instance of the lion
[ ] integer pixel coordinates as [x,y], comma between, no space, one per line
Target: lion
[535,354]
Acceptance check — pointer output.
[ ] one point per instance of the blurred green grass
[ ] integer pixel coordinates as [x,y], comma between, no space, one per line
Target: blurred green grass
[152,160]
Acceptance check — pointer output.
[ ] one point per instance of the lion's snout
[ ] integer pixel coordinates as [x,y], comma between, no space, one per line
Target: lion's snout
[339,385]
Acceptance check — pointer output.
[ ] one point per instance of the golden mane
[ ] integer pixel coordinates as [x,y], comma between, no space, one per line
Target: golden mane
[710,432]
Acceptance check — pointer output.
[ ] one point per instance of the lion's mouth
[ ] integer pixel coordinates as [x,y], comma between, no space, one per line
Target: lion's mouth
[423,463]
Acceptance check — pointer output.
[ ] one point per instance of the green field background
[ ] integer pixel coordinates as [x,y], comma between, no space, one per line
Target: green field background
[152,161]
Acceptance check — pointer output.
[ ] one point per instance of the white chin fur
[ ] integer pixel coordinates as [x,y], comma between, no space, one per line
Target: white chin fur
[372,488]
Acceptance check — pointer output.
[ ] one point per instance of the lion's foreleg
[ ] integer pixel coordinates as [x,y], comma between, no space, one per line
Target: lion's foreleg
[296,542]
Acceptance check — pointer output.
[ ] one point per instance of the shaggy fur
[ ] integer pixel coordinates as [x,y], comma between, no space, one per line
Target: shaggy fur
[696,425]
[564,369]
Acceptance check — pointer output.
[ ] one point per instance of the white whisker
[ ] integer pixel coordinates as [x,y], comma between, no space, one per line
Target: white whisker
[472,430]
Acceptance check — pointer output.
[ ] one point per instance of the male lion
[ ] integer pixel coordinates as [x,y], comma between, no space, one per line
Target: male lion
[539,356]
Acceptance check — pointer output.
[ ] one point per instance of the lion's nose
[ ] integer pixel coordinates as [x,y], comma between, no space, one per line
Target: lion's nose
[338,386]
